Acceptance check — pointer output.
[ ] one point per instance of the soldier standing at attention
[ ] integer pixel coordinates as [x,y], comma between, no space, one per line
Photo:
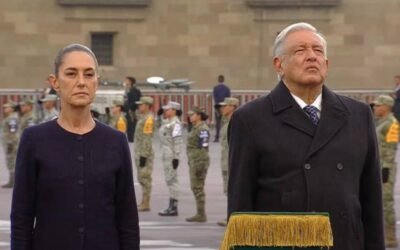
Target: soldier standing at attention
[228,106]
[118,121]
[27,118]
[144,153]
[387,130]
[171,143]
[49,108]
[199,160]
[10,140]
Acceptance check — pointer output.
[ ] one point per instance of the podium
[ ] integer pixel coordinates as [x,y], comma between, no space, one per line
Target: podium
[278,231]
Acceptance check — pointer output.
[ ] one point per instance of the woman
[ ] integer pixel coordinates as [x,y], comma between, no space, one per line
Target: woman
[74,186]
[199,160]
[171,142]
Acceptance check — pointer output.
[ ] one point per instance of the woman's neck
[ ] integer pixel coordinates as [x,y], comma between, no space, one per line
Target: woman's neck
[76,120]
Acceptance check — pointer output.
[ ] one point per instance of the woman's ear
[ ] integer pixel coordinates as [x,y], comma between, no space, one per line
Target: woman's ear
[54,82]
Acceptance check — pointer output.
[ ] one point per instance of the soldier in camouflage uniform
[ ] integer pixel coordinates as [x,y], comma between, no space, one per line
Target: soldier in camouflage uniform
[199,160]
[144,153]
[227,107]
[387,129]
[49,108]
[10,140]
[27,118]
[118,120]
[171,142]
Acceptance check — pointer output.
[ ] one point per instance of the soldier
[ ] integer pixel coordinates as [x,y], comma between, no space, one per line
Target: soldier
[199,160]
[171,142]
[118,120]
[387,129]
[49,108]
[27,118]
[10,140]
[227,107]
[144,153]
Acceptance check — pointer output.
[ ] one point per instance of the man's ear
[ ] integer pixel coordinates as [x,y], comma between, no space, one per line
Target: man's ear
[54,82]
[278,65]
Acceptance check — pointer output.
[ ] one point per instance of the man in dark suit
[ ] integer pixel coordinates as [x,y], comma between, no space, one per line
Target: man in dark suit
[304,148]
[132,96]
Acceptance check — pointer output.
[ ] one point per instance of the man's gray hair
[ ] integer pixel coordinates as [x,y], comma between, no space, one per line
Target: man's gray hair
[281,37]
[71,48]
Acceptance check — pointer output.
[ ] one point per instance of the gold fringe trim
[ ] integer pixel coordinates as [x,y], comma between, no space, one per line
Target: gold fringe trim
[277,231]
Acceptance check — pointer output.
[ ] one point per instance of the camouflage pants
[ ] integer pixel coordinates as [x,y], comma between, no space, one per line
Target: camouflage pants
[11,155]
[144,175]
[198,172]
[224,169]
[171,175]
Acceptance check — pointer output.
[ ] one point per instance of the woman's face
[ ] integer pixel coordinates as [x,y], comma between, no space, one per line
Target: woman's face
[195,118]
[77,80]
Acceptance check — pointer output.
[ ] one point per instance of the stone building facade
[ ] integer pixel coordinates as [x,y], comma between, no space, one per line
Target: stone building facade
[198,39]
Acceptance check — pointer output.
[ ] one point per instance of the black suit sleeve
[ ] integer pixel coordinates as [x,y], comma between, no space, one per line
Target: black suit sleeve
[125,203]
[243,167]
[24,196]
[371,194]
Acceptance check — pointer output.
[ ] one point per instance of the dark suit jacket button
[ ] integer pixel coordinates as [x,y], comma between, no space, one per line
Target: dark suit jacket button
[339,166]
[307,166]
[80,158]
[81,229]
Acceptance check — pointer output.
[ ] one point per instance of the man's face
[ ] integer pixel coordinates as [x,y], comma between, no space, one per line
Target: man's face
[25,108]
[303,61]
[168,113]
[143,108]
[77,79]
[381,110]
[49,104]
[7,110]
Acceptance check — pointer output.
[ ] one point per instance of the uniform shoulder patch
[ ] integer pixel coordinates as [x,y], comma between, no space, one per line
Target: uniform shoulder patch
[204,138]
[148,126]
[12,125]
[177,131]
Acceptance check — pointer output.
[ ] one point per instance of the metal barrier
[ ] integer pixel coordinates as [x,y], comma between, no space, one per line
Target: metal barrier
[201,98]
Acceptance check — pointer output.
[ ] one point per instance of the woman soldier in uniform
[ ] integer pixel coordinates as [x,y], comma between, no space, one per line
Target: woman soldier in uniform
[199,160]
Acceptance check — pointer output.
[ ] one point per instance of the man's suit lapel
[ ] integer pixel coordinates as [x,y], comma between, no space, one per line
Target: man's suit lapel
[333,115]
[333,118]
[286,108]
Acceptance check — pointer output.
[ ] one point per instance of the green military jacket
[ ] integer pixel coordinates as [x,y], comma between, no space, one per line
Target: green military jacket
[387,131]
[224,145]
[143,136]
[198,142]
[25,121]
[10,129]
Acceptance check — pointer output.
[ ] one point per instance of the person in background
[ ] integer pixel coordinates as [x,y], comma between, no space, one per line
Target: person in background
[170,134]
[387,131]
[118,121]
[220,91]
[199,160]
[228,106]
[10,139]
[144,154]
[74,184]
[27,118]
[49,107]
[132,95]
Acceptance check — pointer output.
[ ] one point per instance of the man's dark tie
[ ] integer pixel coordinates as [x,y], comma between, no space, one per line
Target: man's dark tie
[312,112]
